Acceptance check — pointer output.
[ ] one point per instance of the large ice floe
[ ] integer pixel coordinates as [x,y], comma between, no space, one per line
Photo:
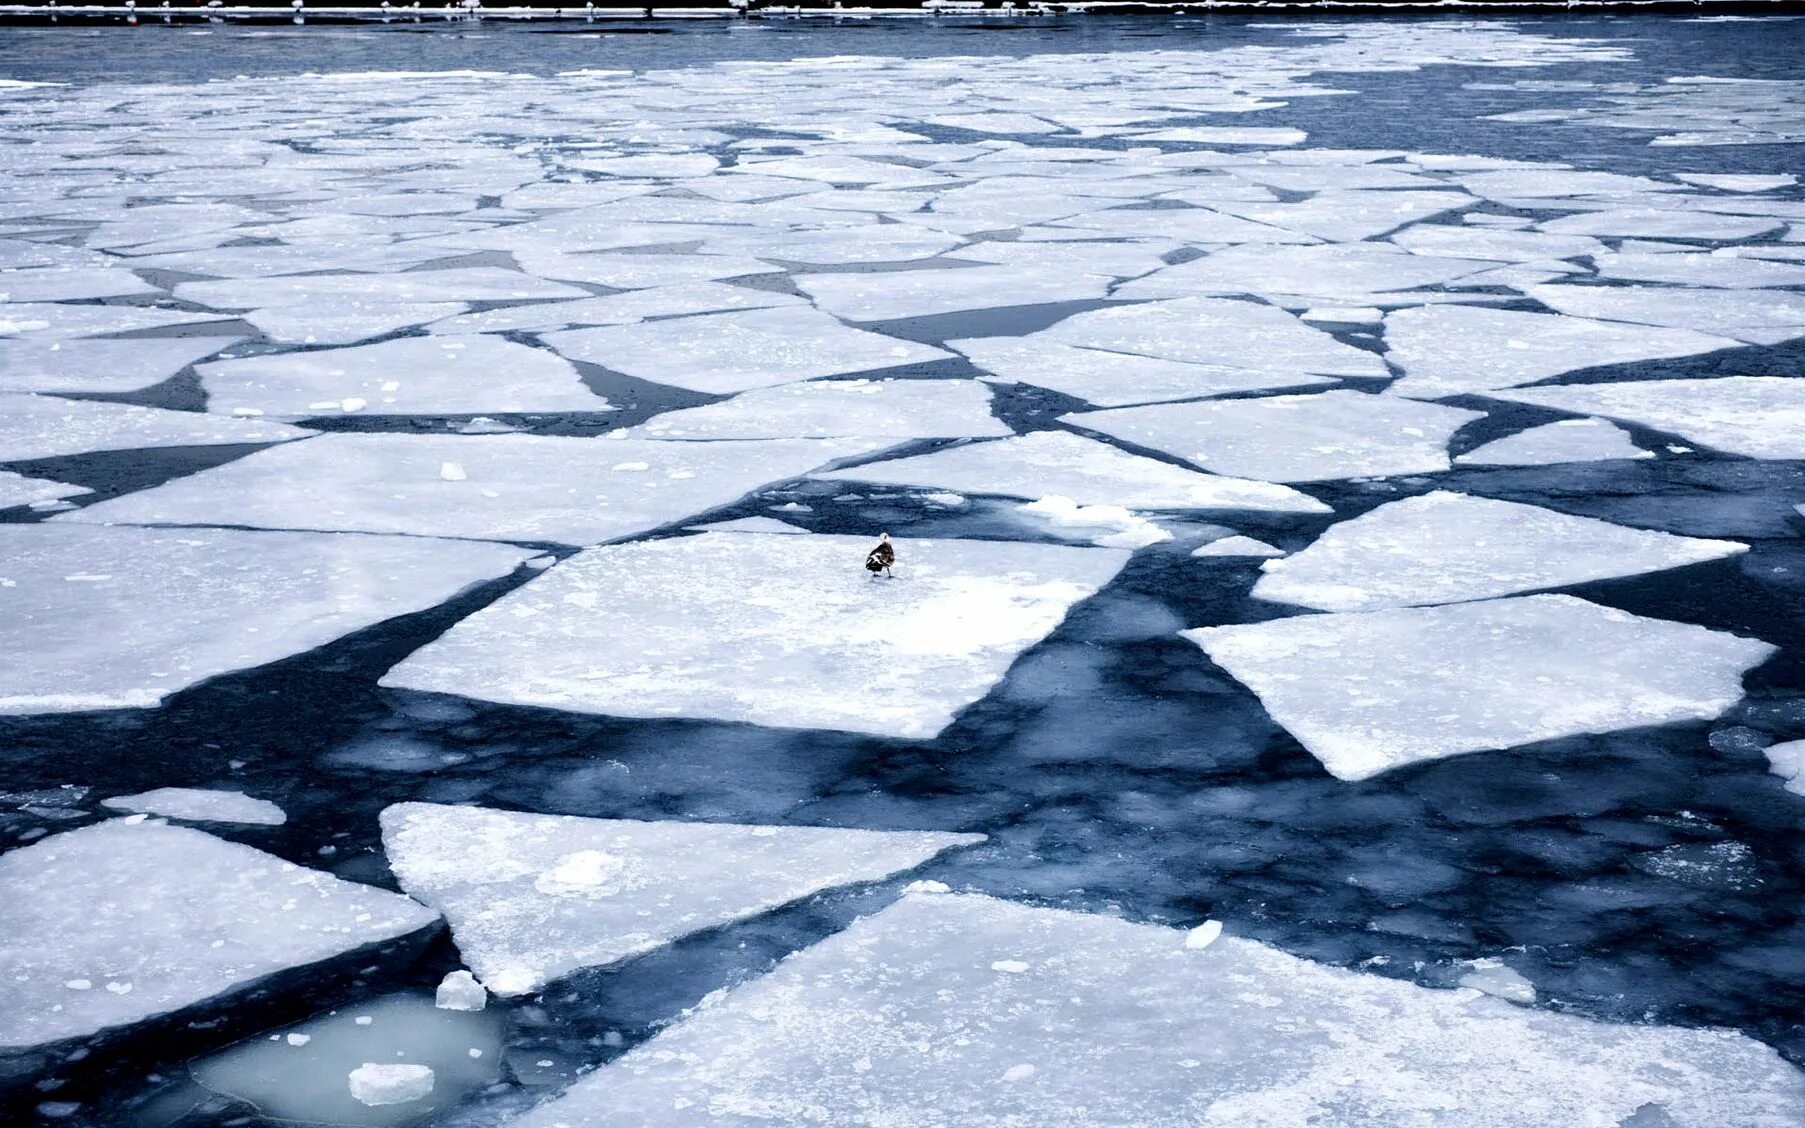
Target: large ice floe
[897,410]
[487,487]
[100,366]
[1058,463]
[1305,438]
[1116,379]
[779,630]
[1565,440]
[17,489]
[36,426]
[1345,273]
[1376,690]
[127,920]
[898,294]
[1760,318]
[961,1011]
[117,618]
[1447,547]
[1760,416]
[532,897]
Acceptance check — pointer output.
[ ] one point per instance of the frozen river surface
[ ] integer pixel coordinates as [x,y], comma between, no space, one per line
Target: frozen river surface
[1343,659]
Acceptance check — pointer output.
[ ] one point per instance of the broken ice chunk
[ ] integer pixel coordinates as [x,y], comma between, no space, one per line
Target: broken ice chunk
[1761,318]
[1787,760]
[388,1083]
[750,525]
[100,366]
[1759,416]
[898,410]
[1218,331]
[891,295]
[194,804]
[17,489]
[1110,526]
[460,991]
[1116,379]
[1568,440]
[1237,546]
[1494,977]
[33,426]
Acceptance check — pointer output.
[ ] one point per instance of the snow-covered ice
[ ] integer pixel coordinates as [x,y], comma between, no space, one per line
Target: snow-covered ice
[199,804]
[1368,692]
[17,489]
[126,920]
[1787,760]
[1759,317]
[1760,416]
[1566,440]
[1238,546]
[37,426]
[749,525]
[389,1083]
[345,320]
[533,897]
[121,617]
[1117,379]
[1727,271]
[768,629]
[100,366]
[891,295]
[1445,547]
[918,1016]
[459,991]
[468,284]
[897,410]
[513,487]
[56,321]
[1340,273]
[1110,526]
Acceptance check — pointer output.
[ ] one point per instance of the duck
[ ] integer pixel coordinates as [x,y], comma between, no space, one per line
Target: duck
[881,558]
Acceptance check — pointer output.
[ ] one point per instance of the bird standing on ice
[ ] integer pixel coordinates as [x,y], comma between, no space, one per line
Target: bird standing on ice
[880,558]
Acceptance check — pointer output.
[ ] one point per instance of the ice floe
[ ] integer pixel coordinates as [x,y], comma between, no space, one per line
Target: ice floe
[1567,440]
[1759,317]
[54,321]
[1110,526]
[199,804]
[897,410]
[119,922]
[1238,546]
[112,618]
[1787,760]
[17,489]
[1217,331]
[1727,271]
[1661,223]
[345,321]
[38,426]
[1445,547]
[465,284]
[750,525]
[100,366]
[533,897]
[1759,416]
[1307,438]
[962,1009]
[1117,379]
[1342,273]
[1368,692]
[890,295]
[378,1083]
[778,630]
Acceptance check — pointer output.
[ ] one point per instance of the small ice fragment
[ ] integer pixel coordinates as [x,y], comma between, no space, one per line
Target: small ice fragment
[460,991]
[299,1039]
[1011,967]
[377,1083]
[1238,546]
[1204,934]
[353,403]
[1018,1073]
[942,887]
[1491,976]
[1788,762]
[452,472]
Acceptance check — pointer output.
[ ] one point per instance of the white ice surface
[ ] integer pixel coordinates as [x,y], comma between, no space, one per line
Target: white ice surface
[1344,273]
[960,1011]
[390,1083]
[1307,438]
[36,426]
[54,321]
[897,410]
[1365,693]
[64,284]
[1353,215]
[1661,223]
[750,525]
[100,366]
[1787,760]
[1445,547]
[1761,317]
[890,295]
[125,920]
[514,487]
[778,630]
[1117,379]
[1084,470]
[1238,546]
[1734,182]
[465,284]
[17,489]
[1760,416]
[111,618]
[1567,440]
[1729,271]
[533,897]
[198,804]
[345,321]
[1218,331]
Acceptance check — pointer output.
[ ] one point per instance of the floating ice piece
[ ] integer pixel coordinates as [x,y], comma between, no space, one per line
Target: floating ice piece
[1353,215]
[1085,470]
[1760,416]
[1190,225]
[657,165]
[1365,693]
[1449,350]
[1498,245]
[897,410]
[459,991]
[533,897]
[17,489]
[1703,865]
[1216,331]
[1238,546]
[1110,526]
[197,804]
[389,1083]
[33,426]
[1738,182]
[904,1017]
[1445,547]
[1308,438]
[155,918]
[345,321]
[62,284]
[663,629]
[1660,223]
[624,271]
[52,321]
[120,618]
[724,353]
[100,366]
[750,525]
[1344,272]
[1226,135]
[408,376]
[889,295]
[1567,440]
[1495,978]
[1692,269]
[1558,182]
[1344,315]
[1761,318]
[1787,760]
[1115,379]
[464,284]
[515,487]
[836,246]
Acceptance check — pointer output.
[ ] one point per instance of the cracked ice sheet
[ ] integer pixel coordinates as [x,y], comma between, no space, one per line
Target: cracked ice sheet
[1660,223]
[16,489]
[723,353]
[1695,269]
[64,284]
[894,410]
[1084,470]
[458,375]
[617,309]
[1444,547]
[120,618]
[965,1010]
[1304,438]
[1756,318]
[119,922]
[1113,379]
[100,366]
[779,630]
[533,897]
[1366,693]
[1495,244]
[1352,215]
[345,321]
[52,320]
[1448,350]
[1565,440]
[1347,273]
[1215,331]
[533,488]
[889,296]
[1758,416]
[34,426]
[463,284]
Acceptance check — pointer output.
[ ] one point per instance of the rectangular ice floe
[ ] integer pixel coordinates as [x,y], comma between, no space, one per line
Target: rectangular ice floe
[1307,438]
[1761,318]
[1760,416]
[962,1010]
[1084,470]
[533,897]
[100,366]
[1450,350]
[731,352]
[410,376]
[897,410]
[114,618]
[1447,547]
[33,426]
[488,487]
[889,295]
[1365,693]
[778,630]
[1114,379]
[1566,440]
[127,920]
